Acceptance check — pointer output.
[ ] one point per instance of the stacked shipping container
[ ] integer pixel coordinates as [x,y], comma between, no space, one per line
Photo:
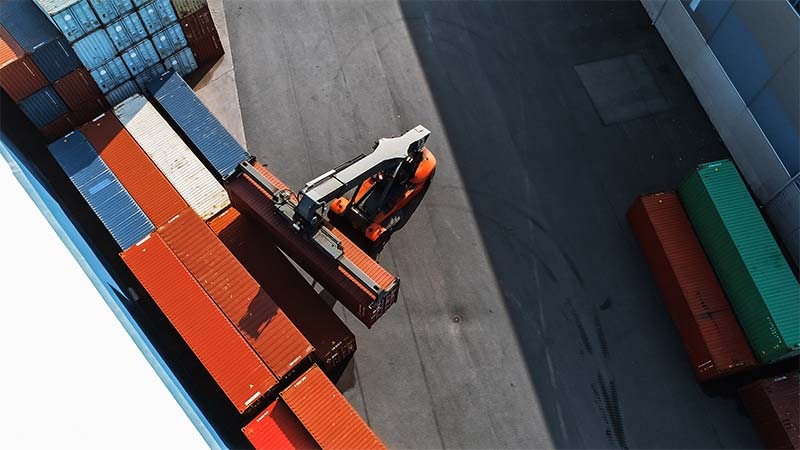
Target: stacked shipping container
[278,429]
[774,408]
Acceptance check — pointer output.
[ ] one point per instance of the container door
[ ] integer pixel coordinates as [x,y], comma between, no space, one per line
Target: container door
[105,10]
[83,13]
[69,25]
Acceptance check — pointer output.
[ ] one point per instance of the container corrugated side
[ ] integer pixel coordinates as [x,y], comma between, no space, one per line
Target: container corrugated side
[55,59]
[43,107]
[10,51]
[169,40]
[774,408]
[185,7]
[156,15]
[19,76]
[111,75]
[747,260]
[204,133]
[89,110]
[106,196]
[276,428]
[173,157]
[58,128]
[77,88]
[127,31]
[134,169]
[122,92]
[713,339]
[75,18]
[111,10]
[273,336]
[27,24]
[182,62]
[257,204]
[327,415]
[334,344]
[198,25]
[236,368]
[149,74]
[207,50]
[95,49]
[139,57]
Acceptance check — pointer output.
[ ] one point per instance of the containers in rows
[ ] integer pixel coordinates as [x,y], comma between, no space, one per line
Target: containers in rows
[139,57]
[43,107]
[252,311]
[772,405]
[231,362]
[169,40]
[157,15]
[204,194]
[182,62]
[122,92]
[111,74]
[185,7]
[748,262]
[95,49]
[710,333]
[75,18]
[276,427]
[126,31]
[19,76]
[141,178]
[119,213]
[200,128]
[110,10]
[326,414]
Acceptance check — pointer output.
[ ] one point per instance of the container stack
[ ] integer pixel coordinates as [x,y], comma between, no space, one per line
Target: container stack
[198,27]
[774,408]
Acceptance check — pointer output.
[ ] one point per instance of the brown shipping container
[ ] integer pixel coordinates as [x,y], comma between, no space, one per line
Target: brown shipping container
[207,50]
[254,202]
[198,25]
[19,76]
[89,110]
[141,178]
[774,408]
[273,336]
[276,428]
[232,363]
[711,335]
[333,342]
[327,415]
[58,128]
[77,88]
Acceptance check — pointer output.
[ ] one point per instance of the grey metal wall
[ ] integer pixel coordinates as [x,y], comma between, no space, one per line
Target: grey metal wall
[742,59]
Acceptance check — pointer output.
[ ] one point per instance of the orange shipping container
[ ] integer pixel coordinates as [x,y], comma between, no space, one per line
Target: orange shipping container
[334,344]
[141,178]
[232,363]
[273,336]
[327,415]
[19,76]
[278,429]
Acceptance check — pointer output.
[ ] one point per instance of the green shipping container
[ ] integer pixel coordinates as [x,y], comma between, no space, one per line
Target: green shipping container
[754,274]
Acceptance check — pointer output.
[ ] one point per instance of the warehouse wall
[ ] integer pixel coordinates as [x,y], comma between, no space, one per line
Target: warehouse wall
[741,58]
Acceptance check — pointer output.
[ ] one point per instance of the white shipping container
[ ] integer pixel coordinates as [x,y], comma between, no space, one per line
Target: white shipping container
[172,156]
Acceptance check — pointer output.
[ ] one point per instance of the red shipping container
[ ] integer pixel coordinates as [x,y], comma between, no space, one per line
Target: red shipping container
[89,110]
[711,335]
[198,25]
[327,415]
[207,50]
[333,342]
[19,76]
[273,336]
[77,88]
[774,407]
[141,178]
[254,202]
[232,363]
[278,429]
[58,128]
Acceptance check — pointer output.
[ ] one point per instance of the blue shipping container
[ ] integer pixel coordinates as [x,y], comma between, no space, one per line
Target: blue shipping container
[200,129]
[111,74]
[111,10]
[106,196]
[182,62]
[126,31]
[140,56]
[43,107]
[95,49]
[148,74]
[169,40]
[55,59]
[75,18]
[122,92]
[157,15]
[27,24]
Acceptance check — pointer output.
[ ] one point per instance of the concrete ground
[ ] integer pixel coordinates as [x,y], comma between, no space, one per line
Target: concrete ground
[527,316]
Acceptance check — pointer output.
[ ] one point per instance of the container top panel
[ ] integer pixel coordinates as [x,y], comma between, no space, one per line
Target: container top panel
[198,124]
[326,414]
[27,24]
[235,367]
[185,7]
[10,51]
[278,429]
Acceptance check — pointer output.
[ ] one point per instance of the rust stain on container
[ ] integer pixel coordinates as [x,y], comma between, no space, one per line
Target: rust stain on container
[711,335]
[774,407]
[141,178]
[19,76]
[278,429]
[333,342]
[273,336]
[327,415]
[255,203]
[229,359]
